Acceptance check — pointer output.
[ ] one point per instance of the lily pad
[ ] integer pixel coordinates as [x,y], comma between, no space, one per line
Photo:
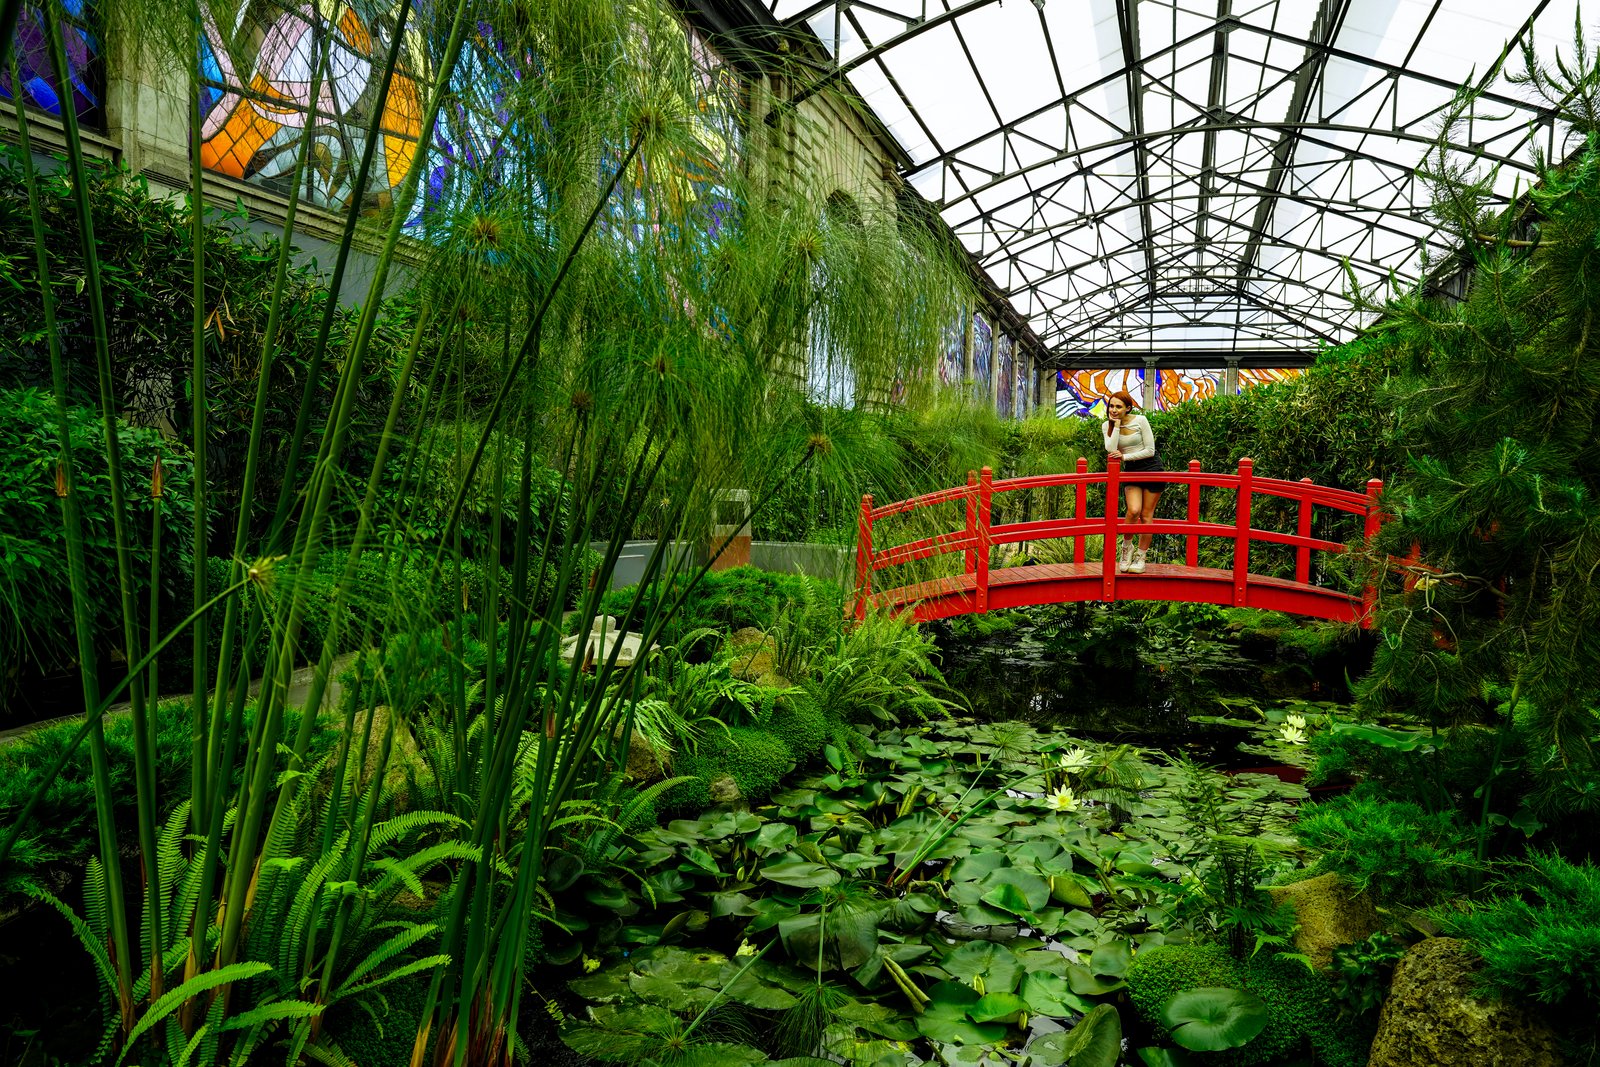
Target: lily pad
[997,1007]
[1213,1018]
[1018,892]
[1086,983]
[1096,1041]
[1049,994]
[995,964]
[801,874]
[945,1017]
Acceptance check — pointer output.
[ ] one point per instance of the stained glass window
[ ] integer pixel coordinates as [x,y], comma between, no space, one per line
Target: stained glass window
[40,87]
[1082,393]
[255,105]
[982,355]
[953,356]
[1005,376]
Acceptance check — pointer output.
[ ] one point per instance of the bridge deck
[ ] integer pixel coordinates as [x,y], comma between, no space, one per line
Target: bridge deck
[1059,583]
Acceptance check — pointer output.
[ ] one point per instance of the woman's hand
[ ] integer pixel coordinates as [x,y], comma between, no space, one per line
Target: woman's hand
[1114,455]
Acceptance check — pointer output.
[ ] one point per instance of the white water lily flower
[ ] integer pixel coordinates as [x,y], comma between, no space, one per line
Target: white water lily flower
[1077,759]
[1062,800]
[1293,734]
[1296,720]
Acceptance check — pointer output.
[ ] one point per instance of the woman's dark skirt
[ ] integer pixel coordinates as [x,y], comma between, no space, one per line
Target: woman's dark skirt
[1141,466]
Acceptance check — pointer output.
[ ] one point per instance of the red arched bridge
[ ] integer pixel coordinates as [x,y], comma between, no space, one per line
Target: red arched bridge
[981,588]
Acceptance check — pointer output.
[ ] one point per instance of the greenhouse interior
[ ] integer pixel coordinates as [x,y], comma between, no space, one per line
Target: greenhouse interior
[703,533]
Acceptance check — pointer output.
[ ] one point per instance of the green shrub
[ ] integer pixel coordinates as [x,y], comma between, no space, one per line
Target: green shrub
[1540,939]
[36,615]
[800,724]
[722,600]
[1395,850]
[61,833]
[753,757]
[1296,998]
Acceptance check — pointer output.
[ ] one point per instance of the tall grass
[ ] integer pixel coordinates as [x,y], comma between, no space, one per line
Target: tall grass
[585,317]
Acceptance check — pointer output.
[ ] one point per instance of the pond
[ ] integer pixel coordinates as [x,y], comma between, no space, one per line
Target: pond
[958,887]
[1145,674]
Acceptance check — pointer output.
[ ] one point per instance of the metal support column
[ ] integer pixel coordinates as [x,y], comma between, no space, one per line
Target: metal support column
[1151,375]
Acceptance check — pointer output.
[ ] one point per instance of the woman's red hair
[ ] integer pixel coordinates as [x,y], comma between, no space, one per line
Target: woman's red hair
[1127,400]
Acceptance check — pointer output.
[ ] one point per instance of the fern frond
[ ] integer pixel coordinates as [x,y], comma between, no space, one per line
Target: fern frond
[426,963]
[200,983]
[389,949]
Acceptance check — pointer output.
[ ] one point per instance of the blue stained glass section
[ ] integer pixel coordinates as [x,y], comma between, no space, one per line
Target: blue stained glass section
[39,86]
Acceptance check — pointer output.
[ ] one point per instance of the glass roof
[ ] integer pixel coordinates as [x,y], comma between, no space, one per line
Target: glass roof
[1190,177]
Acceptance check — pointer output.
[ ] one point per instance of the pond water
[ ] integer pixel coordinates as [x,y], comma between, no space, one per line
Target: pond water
[1136,673]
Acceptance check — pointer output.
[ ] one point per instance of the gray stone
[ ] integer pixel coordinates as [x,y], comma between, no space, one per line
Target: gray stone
[1433,1017]
[724,790]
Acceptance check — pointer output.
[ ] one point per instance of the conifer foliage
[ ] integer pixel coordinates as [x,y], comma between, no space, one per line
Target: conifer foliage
[1495,408]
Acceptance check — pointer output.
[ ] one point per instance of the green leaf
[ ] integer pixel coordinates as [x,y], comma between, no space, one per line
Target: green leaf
[801,874]
[1086,983]
[945,1017]
[997,1007]
[169,1002]
[1111,960]
[1166,1057]
[1213,1018]
[1096,1041]
[1049,994]
[1018,892]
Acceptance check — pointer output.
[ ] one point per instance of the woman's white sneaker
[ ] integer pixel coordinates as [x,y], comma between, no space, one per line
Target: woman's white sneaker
[1137,566]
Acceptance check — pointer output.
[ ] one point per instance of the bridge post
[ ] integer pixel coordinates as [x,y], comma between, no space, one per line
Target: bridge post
[1369,593]
[1191,554]
[985,502]
[1241,534]
[1108,552]
[1082,515]
[1302,555]
[864,557]
[972,522]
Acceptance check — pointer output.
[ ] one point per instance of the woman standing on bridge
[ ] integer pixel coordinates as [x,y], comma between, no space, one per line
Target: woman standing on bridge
[1128,437]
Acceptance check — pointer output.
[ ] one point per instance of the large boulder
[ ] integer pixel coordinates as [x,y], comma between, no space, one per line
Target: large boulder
[1433,1017]
[1332,913]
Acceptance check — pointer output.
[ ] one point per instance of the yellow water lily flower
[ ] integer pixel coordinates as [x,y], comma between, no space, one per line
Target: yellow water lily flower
[590,965]
[1077,759]
[745,949]
[1062,800]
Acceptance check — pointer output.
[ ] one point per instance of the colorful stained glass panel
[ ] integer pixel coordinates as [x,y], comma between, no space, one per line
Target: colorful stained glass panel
[37,84]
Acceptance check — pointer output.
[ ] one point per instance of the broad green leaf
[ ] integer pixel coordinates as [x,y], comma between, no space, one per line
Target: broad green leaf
[945,1017]
[801,874]
[997,1007]
[1049,994]
[773,837]
[996,964]
[1213,1018]
[1111,961]
[1086,983]
[1096,1041]
[1019,892]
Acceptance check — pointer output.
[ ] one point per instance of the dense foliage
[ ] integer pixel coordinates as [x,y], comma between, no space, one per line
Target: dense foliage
[36,615]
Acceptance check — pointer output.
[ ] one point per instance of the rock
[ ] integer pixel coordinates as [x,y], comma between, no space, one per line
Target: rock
[646,763]
[1331,913]
[724,790]
[1432,1016]
[754,657]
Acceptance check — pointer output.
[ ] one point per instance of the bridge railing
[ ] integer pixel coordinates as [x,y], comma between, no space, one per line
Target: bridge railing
[979,535]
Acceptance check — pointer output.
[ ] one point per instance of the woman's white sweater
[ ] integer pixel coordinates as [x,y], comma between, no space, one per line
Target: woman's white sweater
[1135,441]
